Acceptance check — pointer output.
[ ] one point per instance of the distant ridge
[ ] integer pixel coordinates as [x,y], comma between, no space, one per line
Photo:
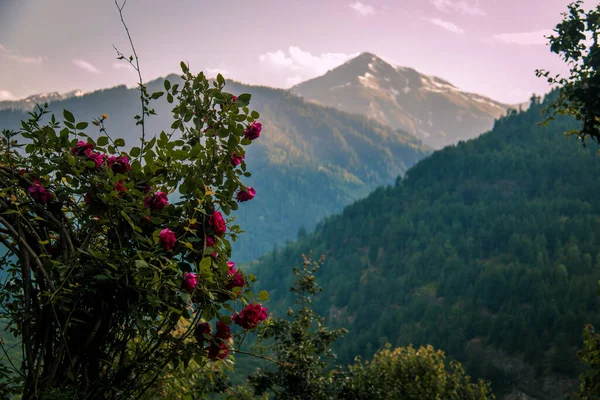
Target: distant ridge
[428,107]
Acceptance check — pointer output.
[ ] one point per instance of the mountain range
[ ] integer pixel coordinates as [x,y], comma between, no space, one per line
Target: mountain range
[310,160]
[428,107]
[486,250]
[29,103]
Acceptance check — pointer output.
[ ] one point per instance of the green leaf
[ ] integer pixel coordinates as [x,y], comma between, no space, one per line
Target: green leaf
[119,142]
[243,99]
[135,151]
[141,264]
[156,95]
[81,126]
[263,295]
[167,84]
[204,268]
[68,116]
[205,263]
[102,141]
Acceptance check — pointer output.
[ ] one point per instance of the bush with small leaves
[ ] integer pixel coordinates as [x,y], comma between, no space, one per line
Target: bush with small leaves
[121,253]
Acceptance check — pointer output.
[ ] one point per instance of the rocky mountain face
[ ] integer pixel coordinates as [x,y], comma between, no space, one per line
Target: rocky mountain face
[29,103]
[426,106]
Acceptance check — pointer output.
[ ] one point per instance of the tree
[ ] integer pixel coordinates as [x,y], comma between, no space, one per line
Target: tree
[302,346]
[114,277]
[411,374]
[304,369]
[576,41]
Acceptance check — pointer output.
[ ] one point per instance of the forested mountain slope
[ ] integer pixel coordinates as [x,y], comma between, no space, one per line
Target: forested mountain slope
[488,250]
[309,162]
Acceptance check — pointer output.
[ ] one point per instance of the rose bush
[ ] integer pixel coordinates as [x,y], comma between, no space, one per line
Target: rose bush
[120,255]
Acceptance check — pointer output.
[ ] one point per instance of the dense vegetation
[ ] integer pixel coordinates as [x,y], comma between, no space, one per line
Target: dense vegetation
[305,366]
[489,244]
[310,149]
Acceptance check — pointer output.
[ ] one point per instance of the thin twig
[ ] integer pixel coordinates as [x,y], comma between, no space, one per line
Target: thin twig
[281,363]
[136,67]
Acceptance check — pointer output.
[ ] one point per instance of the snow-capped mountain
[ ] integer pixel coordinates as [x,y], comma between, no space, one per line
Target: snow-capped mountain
[429,107]
[29,103]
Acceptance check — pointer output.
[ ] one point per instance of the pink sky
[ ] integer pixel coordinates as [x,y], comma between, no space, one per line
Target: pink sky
[491,47]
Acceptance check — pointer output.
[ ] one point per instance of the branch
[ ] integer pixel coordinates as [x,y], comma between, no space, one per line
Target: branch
[136,67]
[30,252]
[281,363]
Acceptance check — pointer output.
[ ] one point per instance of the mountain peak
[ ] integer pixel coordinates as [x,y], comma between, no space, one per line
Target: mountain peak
[429,107]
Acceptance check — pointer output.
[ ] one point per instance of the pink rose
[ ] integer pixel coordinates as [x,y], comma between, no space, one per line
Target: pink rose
[156,202]
[237,160]
[237,279]
[201,331]
[253,131]
[223,331]
[97,158]
[119,165]
[81,148]
[251,316]
[218,223]
[216,350]
[120,188]
[246,195]
[210,242]
[40,193]
[190,281]
[230,266]
[234,98]
[167,239]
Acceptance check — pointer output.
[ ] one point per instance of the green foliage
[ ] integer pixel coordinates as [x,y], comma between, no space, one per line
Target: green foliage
[411,374]
[589,387]
[302,346]
[576,41]
[107,278]
[488,244]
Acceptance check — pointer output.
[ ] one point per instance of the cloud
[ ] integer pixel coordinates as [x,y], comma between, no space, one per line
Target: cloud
[449,26]
[6,95]
[21,59]
[362,9]
[303,61]
[221,69]
[277,59]
[296,65]
[524,38]
[86,66]
[461,6]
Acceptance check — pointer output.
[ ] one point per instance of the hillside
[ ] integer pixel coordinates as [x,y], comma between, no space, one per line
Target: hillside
[487,250]
[310,161]
[426,106]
